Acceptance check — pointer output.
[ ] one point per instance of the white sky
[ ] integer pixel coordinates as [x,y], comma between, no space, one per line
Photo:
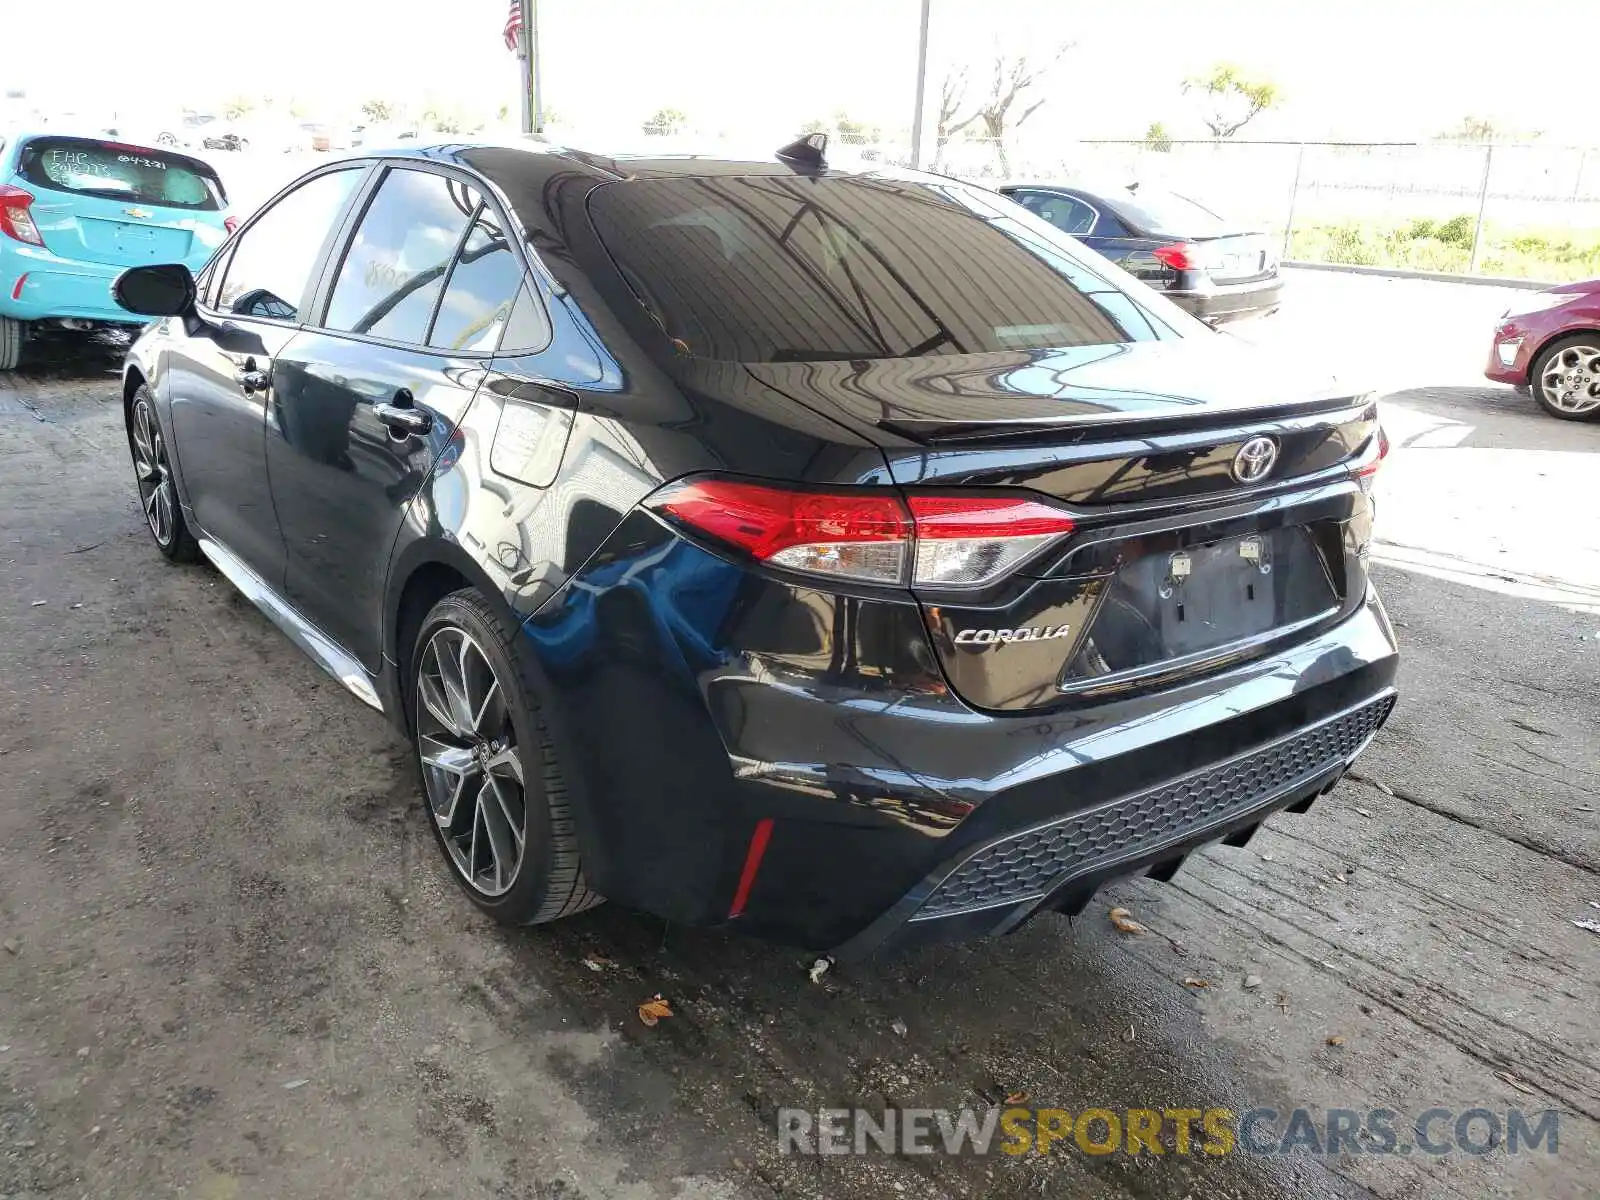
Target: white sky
[1373,69]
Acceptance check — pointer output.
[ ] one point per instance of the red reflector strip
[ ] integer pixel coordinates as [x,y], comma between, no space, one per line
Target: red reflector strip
[752,864]
[16,292]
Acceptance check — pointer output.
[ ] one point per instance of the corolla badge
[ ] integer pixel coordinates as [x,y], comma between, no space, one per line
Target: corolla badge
[138,214]
[1255,460]
[990,637]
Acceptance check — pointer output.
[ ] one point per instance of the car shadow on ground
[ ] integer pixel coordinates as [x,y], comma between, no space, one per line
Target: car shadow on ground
[1057,1015]
[1499,417]
[57,355]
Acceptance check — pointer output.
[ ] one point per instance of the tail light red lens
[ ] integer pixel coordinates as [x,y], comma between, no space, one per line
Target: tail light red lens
[869,535]
[1181,257]
[15,220]
[1369,469]
[230,223]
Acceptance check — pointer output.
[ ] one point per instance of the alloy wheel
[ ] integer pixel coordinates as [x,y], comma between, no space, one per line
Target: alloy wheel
[470,761]
[1570,380]
[150,465]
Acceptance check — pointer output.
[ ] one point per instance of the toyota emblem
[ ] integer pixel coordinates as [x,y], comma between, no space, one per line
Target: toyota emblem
[1255,460]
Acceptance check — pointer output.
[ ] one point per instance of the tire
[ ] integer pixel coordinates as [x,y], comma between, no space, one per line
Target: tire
[158,487]
[11,339]
[474,769]
[1569,357]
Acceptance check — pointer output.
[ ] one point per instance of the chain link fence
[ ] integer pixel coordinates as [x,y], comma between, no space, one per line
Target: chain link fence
[1525,210]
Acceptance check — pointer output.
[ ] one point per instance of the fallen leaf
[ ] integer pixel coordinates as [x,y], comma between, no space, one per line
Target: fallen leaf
[596,962]
[1191,981]
[1336,1040]
[1362,812]
[1123,920]
[1383,787]
[1517,1083]
[1252,981]
[295,1083]
[820,968]
[38,604]
[1591,926]
[898,1026]
[1016,1098]
[653,1009]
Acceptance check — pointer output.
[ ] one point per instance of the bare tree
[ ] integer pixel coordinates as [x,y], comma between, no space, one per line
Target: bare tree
[1013,77]
[952,95]
[1230,100]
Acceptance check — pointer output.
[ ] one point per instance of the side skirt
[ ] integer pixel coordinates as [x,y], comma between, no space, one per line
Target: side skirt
[323,651]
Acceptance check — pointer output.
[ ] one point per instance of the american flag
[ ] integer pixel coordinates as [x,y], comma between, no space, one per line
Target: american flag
[513,30]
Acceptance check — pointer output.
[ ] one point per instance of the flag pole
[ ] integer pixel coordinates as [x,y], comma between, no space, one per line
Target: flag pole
[531,19]
[527,73]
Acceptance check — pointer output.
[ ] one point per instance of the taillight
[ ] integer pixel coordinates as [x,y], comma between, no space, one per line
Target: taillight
[1181,257]
[1367,470]
[870,535]
[15,220]
[230,223]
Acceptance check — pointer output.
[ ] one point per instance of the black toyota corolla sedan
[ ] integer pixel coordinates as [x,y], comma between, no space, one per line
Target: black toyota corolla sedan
[849,558]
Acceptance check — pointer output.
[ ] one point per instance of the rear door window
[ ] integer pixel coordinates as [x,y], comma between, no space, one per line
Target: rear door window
[273,259]
[1066,213]
[483,286]
[793,269]
[113,171]
[395,266]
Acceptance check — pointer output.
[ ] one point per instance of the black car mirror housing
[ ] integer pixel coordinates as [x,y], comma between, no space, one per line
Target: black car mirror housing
[164,290]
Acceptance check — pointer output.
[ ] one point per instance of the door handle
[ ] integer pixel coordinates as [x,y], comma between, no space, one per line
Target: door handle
[403,421]
[251,379]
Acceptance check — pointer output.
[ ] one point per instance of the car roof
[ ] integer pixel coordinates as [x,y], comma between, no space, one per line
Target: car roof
[620,166]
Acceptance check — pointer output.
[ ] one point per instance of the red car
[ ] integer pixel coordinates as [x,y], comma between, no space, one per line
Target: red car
[1549,342]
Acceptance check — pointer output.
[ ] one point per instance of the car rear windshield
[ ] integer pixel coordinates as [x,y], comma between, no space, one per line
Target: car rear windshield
[118,172]
[801,269]
[1171,214]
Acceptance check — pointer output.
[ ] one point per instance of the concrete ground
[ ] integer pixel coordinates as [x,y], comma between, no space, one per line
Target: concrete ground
[232,964]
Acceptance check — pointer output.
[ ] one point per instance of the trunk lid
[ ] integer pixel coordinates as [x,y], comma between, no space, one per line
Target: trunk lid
[1176,566]
[1238,257]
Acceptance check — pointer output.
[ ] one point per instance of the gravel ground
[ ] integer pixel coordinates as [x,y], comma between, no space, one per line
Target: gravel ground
[232,965]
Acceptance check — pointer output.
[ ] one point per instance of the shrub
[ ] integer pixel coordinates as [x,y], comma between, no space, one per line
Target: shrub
[1457,231]
[1422,227]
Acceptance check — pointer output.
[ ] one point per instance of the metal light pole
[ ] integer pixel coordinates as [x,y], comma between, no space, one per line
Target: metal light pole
[919,119]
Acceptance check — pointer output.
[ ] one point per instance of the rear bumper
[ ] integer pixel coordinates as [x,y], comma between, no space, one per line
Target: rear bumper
[1217,303]
[36,285]
[997,886]
[743,751]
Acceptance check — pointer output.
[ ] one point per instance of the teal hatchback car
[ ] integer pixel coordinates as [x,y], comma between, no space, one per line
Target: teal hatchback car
[76,212]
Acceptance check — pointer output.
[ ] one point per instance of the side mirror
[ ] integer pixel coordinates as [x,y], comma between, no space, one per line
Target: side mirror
[161,291]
